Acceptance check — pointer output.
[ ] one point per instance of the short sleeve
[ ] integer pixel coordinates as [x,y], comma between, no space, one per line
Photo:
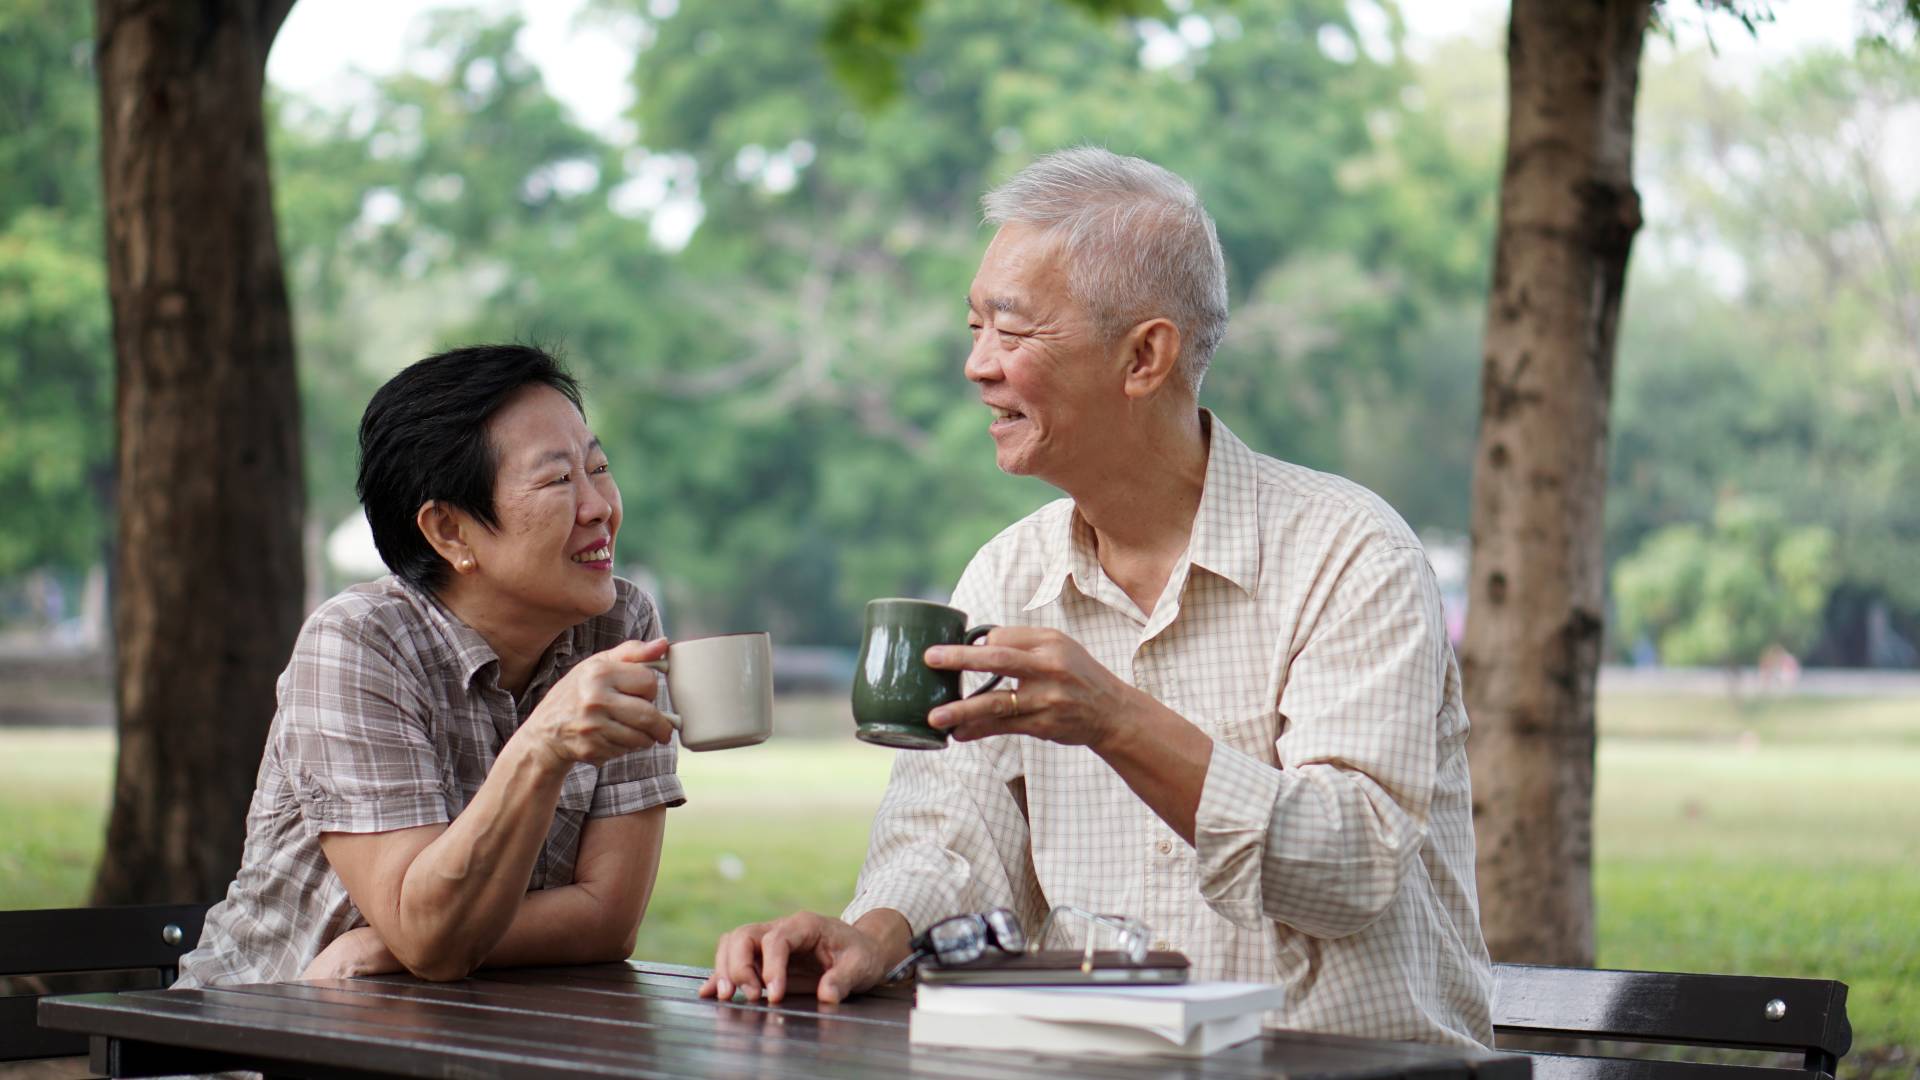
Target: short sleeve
[353,731]
[642,779]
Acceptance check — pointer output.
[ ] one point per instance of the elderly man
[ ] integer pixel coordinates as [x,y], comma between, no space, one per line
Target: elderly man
[1236,718]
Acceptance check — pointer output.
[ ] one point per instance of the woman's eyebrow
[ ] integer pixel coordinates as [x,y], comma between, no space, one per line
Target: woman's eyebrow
[564,457]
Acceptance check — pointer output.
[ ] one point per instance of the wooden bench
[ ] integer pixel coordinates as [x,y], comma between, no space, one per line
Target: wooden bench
[78,950]
[1807,1017]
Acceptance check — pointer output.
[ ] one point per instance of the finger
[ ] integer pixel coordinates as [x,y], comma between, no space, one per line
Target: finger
[633,650]
[1022,637]
[733,959]
[986,729]
[639,717]
[774,952]
[998,659]
[992,705]
[633,680]
[850,973]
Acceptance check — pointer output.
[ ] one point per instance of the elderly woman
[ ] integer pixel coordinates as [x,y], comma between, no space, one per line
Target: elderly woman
[467,766]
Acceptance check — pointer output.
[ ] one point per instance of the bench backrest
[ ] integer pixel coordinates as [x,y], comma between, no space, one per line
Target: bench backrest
[1801,1016]
[42,952]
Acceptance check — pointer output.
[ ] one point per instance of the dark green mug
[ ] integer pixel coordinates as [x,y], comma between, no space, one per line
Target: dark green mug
[893,688]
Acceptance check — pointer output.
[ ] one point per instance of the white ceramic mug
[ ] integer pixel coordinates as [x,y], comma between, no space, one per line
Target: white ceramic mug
[722,688]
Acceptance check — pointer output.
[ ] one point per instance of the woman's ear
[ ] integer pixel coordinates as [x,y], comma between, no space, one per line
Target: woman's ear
[444,528]
[1153,354]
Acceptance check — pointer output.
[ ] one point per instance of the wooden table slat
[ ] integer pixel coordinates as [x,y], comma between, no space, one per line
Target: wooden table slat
[645,1020]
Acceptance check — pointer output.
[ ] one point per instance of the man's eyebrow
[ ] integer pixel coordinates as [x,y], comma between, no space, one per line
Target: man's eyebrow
[999,304]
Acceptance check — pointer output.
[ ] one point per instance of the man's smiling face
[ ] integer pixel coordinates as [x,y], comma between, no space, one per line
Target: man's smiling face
[1040,363]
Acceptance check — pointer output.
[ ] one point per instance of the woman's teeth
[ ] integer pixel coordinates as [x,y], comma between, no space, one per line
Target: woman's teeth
[599,554]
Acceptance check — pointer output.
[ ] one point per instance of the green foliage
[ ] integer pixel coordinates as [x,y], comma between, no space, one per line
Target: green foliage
[1771,348]
[782,397]
[1726,596]
[56,376]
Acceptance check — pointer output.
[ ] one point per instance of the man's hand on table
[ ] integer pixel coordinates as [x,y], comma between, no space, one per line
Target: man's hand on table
[805,953]
[357,952]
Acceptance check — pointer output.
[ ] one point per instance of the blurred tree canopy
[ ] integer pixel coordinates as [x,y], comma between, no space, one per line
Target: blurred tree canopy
[782,395]
[1725,596]
[56,355]
[782,391]
[1774,352]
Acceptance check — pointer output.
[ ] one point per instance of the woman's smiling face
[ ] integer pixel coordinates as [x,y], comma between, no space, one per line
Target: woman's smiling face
[557,507]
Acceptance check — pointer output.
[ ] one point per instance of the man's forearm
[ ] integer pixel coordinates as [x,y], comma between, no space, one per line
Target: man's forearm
[1163,757]
[461,892]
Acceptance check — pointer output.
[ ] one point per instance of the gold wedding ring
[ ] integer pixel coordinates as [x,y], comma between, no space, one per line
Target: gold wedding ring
[1013,703]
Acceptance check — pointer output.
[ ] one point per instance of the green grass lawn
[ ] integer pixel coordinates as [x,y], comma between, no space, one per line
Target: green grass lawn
[1781,838]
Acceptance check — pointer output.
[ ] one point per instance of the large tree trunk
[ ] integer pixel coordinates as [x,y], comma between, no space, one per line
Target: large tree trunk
[1568,212]
[207,595]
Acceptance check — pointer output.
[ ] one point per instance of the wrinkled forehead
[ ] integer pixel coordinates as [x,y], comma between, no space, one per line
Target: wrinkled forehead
[1023,272]
[537,426]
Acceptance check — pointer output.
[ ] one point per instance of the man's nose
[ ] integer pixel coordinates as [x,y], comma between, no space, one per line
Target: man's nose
[982,365]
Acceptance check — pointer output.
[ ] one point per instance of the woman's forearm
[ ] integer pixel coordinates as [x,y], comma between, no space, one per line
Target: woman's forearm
[461,892]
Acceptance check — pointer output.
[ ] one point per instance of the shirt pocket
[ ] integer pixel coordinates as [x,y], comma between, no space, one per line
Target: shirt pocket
[1255,736]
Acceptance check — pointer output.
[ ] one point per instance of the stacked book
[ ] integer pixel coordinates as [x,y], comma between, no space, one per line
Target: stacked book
[1188,1018]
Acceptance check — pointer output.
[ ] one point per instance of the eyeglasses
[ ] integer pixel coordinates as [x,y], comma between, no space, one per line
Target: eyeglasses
[1130,935]
[964,938]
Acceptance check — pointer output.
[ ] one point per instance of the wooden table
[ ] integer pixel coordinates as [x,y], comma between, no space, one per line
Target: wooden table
[636,1019]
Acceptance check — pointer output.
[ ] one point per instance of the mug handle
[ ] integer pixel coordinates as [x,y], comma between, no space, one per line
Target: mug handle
[969,638]
[661,667]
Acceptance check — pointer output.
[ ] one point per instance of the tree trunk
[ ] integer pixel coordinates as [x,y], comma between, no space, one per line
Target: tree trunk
[207,595]
[1568,212]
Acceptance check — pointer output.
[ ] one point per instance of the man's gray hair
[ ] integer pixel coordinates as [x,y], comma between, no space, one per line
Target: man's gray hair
[1137,243]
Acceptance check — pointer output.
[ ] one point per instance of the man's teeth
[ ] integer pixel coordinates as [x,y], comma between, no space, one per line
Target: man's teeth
[599,554]
[1004,414]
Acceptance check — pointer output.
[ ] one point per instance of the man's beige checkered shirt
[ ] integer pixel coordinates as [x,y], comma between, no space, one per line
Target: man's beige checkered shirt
[391,715]
[1334,854]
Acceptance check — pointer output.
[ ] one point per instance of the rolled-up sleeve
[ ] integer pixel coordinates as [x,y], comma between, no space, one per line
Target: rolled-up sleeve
[1323,841]
[354,734]
[640,779]
[950,835]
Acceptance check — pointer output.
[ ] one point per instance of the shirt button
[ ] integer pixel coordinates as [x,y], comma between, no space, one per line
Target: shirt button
[1160,946]
[1165,847]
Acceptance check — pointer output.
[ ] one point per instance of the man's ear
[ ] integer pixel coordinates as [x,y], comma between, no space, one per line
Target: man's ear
[446,529]
[1153,354]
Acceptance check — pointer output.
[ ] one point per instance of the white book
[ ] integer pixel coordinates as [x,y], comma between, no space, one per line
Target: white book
[982,1031]
[1177,1008]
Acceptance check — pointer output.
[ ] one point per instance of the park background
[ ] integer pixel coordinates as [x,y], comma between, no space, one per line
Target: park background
[757,272]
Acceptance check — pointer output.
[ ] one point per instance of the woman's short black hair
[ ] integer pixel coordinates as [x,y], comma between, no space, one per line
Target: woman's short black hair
[424,438]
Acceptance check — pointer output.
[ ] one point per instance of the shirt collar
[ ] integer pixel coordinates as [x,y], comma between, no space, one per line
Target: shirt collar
[471,653]
[1226,528]
[1070,544]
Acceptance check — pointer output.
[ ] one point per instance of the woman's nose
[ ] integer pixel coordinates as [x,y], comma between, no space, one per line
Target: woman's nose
[594,506]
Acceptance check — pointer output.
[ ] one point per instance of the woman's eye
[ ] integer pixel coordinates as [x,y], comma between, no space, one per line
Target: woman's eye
[603,468]
[561,479]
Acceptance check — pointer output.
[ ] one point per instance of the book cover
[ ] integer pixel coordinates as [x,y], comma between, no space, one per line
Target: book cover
[978,1031]
[1178,1008]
